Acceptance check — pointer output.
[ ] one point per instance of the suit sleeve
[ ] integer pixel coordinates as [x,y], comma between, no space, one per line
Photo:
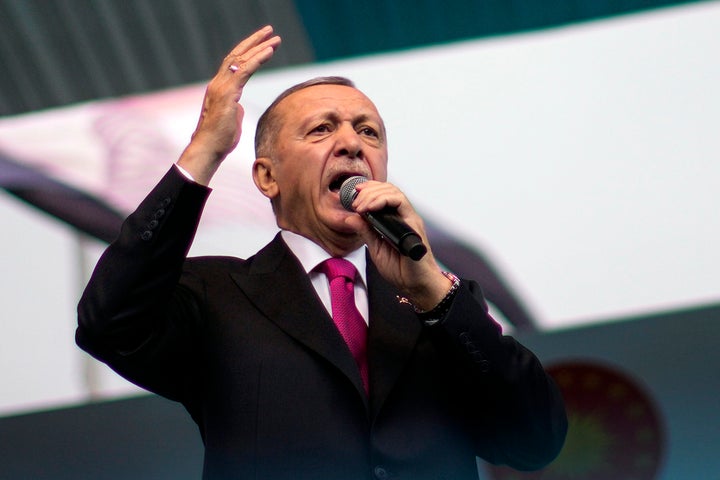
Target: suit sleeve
[132,314]
[522,405]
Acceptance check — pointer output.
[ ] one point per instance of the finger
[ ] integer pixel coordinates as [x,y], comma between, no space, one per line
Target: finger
[249,55]
[252,41]
[373,196]
[246,65]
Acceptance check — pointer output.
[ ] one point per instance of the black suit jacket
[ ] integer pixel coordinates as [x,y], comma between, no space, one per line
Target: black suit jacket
[249,349]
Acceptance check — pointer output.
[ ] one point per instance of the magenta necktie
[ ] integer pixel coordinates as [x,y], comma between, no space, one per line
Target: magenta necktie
[347,318]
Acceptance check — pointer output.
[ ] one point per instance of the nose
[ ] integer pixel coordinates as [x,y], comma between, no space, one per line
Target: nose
[348,142]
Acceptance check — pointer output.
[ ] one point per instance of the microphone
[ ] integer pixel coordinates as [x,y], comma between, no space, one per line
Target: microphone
[386,222]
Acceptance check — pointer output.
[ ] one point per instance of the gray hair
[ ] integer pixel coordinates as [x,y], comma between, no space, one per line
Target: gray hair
[267,126]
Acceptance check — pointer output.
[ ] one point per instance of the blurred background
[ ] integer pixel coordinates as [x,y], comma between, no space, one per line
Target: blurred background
[563,153]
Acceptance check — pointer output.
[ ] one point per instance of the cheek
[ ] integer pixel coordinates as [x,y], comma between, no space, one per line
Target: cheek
[302,187]
[379,170]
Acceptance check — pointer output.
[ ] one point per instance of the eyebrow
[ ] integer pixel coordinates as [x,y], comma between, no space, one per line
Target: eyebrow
[335,117]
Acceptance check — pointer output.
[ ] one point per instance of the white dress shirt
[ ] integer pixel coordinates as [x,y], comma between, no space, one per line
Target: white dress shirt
[311,255]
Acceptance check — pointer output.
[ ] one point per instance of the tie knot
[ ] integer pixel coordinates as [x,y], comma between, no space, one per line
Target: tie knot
[338,267]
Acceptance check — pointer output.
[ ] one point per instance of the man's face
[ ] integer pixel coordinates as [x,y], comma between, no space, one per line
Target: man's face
[327,133]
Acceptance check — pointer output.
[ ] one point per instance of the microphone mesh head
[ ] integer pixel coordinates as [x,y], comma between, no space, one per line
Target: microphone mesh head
[348,192]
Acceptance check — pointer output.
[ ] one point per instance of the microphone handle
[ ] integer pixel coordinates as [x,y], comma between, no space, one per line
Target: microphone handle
[397,233]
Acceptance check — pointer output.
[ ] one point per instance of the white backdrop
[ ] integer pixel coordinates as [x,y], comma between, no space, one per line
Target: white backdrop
[581,159]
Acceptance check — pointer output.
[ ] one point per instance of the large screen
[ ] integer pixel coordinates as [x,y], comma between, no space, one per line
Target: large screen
[581,161]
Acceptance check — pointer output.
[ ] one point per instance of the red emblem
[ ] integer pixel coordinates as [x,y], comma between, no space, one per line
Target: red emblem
[614,433]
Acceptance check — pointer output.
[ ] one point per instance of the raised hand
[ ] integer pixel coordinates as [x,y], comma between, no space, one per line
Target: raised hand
[219,126]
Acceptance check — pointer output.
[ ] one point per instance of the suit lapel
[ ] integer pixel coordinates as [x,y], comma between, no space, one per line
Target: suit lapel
[277,285]
[394,332]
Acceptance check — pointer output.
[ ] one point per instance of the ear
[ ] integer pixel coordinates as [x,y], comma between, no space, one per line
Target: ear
[264,177]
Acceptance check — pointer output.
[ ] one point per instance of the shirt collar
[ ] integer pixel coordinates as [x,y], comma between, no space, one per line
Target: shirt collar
[311,254]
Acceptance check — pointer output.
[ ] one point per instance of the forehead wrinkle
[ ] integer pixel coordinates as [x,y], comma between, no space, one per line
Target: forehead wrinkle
[329,108]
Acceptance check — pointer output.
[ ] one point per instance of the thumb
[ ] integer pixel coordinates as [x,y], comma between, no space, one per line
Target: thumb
[369,235]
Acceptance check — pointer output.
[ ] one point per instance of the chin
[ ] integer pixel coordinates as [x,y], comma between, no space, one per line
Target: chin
[336,223]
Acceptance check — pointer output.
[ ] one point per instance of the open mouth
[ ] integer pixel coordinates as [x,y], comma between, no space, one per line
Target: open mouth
[338,181]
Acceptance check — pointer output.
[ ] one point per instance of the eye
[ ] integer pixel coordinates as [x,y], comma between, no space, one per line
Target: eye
[369,131]
[322,128]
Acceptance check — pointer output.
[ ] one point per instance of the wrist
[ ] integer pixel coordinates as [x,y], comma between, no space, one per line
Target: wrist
[438,310]
[199,163]
[428,293]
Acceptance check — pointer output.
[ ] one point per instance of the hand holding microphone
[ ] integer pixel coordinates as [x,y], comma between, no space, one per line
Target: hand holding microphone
[386,222]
